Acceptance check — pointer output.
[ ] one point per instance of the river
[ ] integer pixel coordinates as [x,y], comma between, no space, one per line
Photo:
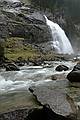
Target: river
[14,85]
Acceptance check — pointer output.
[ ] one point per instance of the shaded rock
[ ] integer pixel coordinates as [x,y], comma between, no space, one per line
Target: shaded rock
[44,113]
[33,34]
[57,99]
[37,62]
[78,117]
[61,68]
[20,61]
[53,77]
[3,28]
[74,76]
[76,67]
[11,67]
[15,115]
[58,76]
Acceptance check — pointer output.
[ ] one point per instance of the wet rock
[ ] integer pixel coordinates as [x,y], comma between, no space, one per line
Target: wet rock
[11,67]
[74,76]
[57,99]
[20,61]
[58,76]
[44,113]
[76,67]
[61,68]
[10,1]
[53,77]
[16,4]
[37,62]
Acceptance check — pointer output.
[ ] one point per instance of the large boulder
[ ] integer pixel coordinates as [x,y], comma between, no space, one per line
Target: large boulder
[74,75]
[61,68]
[11,67]
[58,101]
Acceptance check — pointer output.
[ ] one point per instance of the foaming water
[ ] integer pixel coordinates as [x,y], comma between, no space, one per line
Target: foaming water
[26,77]
[9,85]
[13,1]
[21,80]
[61,43]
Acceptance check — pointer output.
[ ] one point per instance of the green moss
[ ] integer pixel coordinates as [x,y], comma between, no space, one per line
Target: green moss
[15,48]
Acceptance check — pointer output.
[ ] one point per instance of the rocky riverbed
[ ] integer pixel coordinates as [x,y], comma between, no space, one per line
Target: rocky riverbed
[37,91]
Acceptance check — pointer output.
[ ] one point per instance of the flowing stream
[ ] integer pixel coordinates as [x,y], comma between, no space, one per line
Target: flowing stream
[61,43]
[14,85]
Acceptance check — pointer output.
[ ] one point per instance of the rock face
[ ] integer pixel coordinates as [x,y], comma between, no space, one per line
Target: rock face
[43,113]
[25,22]
[74,75]
[58,100]
[3,34]
[11,67]
[61,68]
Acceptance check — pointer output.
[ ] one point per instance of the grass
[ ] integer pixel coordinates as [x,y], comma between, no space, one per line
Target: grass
[14,49]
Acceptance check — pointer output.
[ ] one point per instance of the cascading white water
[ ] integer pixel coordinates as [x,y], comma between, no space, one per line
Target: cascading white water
[61,43]
[13,1]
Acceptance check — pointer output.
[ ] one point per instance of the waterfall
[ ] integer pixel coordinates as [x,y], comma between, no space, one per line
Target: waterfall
[60,43]
[13,1]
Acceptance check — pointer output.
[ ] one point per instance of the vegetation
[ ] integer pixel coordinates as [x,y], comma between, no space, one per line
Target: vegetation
[15,48]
